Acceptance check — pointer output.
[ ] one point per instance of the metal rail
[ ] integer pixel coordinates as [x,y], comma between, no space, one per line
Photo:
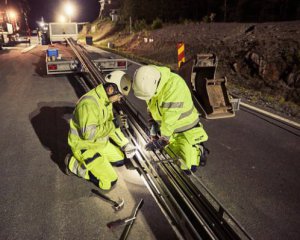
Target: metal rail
[192,213]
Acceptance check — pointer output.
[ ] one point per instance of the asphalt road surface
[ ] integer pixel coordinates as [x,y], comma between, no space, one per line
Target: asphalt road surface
[253,166]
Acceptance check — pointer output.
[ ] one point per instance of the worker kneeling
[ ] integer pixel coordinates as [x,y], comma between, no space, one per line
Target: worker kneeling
[91,129]
[173,118]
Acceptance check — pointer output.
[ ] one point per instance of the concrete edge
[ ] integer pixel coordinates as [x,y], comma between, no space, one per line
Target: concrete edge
[25,50]
[277,117]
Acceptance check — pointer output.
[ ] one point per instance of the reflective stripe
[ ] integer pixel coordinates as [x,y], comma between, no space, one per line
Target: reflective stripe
[92,128]
[93,133]
[75,166]
[74,132]
[186,114]
[187,127]
[79,170]
[172,105]
[88,97]
[90,160]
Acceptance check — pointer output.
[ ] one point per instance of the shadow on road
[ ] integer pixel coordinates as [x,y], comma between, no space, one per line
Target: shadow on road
[40,66]
[51,124]
[4,51]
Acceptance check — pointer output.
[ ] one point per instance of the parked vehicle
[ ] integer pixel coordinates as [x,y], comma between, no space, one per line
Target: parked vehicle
[59,32]
[62,60]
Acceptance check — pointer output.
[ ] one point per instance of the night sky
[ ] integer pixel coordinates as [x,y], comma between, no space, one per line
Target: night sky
[86,10]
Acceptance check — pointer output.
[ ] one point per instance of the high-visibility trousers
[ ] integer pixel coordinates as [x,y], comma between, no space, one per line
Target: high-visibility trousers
[98,163]
[186,146]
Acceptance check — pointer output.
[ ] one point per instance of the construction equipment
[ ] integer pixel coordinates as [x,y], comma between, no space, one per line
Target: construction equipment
[117,205]
[210,94]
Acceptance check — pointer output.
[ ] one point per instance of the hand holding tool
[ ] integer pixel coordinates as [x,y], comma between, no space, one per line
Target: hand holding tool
[129,150]
[156,144]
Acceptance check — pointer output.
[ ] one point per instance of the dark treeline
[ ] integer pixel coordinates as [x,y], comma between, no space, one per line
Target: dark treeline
[224,10]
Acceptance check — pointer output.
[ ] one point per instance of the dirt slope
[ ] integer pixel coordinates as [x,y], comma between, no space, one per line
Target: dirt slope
[260,60]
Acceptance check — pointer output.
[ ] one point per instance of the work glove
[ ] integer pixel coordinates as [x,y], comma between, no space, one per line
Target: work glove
[157,144]
[129,150]
[154,130]
[203,157]
[121,120]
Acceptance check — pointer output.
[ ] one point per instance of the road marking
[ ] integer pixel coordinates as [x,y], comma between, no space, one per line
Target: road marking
[271,115]
[12,48]
[25,50]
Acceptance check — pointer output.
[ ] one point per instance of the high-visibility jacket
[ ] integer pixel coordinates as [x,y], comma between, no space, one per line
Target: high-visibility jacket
[92,123]
[172,106]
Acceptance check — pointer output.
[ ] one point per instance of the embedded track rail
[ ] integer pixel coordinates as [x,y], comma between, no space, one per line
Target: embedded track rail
[191,209]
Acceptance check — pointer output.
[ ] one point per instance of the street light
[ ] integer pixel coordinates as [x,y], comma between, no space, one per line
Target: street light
[69,10]
[62,19]
[12,14]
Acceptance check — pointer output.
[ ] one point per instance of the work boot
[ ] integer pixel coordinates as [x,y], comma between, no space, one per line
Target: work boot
[203,156]
[66,161]
[194,168]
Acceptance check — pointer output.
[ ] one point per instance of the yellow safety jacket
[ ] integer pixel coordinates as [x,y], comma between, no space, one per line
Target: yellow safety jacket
[172,106]
[92,123]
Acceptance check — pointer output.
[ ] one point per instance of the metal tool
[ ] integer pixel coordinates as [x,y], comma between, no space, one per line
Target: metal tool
[129,226]
[120,222]
[117,205]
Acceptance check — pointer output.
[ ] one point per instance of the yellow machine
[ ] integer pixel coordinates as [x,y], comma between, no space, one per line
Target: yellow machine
[210,93]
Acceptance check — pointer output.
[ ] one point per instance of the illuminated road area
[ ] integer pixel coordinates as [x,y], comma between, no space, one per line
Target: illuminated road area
[253,167]
[38,201]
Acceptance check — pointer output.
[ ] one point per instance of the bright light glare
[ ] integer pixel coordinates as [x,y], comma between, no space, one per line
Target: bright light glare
[69,9]
[62,19]
[42,24]
[12,14]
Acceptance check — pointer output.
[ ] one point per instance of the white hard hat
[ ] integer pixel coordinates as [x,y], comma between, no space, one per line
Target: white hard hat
[121,79]
[145,82]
